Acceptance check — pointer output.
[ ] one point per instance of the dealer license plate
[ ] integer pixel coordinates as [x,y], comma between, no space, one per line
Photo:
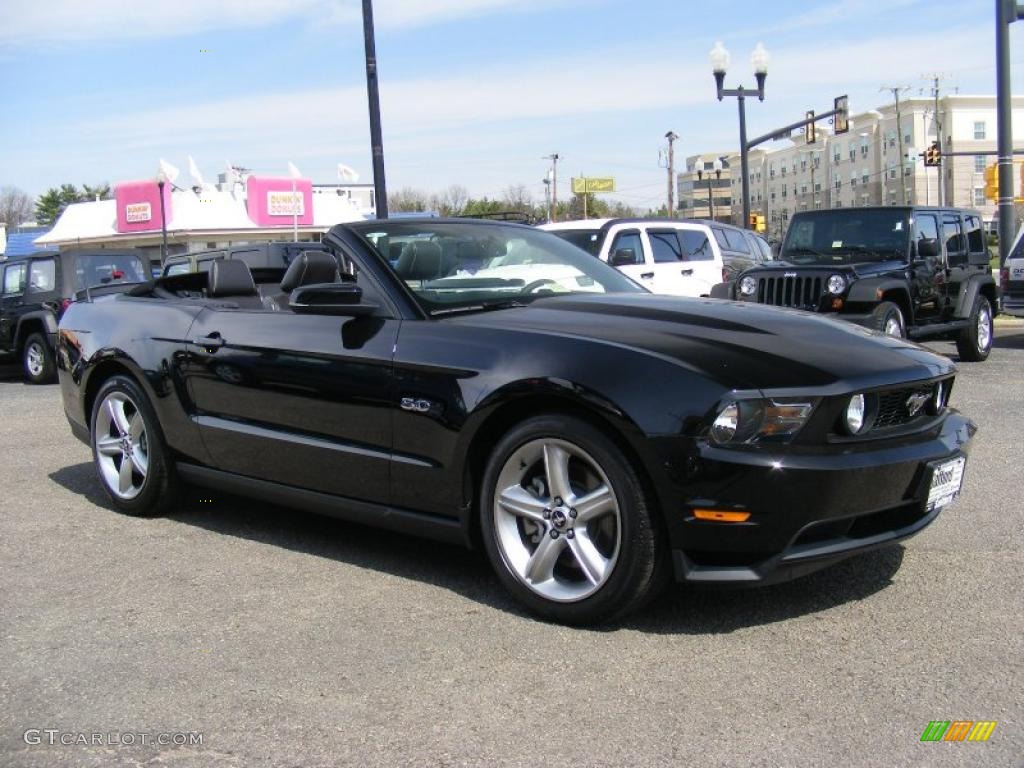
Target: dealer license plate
[947,479]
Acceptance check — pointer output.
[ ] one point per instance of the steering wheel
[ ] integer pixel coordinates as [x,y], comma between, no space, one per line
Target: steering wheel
[538,284]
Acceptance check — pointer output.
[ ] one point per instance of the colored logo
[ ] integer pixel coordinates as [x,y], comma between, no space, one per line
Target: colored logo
[958,730]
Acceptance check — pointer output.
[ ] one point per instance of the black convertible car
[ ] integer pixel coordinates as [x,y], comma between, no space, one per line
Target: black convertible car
[487,383]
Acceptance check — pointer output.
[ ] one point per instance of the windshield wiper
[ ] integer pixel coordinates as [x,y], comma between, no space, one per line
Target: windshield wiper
[509,304]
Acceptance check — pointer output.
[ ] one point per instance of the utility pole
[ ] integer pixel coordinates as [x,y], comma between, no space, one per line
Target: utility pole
[671,136]
[373,96]
[936,78]
[554,157]
[896,91]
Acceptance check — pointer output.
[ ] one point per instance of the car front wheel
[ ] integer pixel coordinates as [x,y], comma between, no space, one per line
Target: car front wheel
[128,449]
[37,360]
[888,319]
[975,341]
[566,524]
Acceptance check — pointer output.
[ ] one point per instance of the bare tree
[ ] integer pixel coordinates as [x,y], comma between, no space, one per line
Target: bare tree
[518,198]
[408,199]
[15,207]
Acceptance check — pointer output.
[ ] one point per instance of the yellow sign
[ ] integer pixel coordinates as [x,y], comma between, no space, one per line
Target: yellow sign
[585,185]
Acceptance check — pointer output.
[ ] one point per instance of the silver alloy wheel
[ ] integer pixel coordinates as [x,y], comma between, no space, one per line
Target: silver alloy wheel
[122,448]
[556,519]
[984,327]
[35,359]
[894,325]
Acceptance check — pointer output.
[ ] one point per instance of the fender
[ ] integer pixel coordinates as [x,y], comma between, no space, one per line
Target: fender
[971,289]
[869,290]
[49,323]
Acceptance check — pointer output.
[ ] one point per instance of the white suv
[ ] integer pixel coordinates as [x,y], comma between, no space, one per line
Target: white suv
[665,256]
[1012,278]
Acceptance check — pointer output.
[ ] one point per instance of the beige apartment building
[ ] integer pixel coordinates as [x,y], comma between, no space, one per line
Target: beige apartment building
[863,166]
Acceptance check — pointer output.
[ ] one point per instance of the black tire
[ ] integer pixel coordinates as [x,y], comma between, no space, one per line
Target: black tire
[641,566]
[37,360]
[885,317]
[158,488]
[974,344]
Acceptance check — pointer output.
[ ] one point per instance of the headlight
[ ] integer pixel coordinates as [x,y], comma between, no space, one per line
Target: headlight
[856,414]
[939,398]
[759,421]
[747,286]
[836,284]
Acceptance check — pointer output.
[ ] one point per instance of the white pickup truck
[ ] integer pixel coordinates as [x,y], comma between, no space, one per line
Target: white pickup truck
[1011,278]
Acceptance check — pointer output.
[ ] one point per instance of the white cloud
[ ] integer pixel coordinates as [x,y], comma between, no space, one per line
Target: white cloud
[69,21]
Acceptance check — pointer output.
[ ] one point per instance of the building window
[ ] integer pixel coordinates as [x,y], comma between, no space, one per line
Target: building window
[839,184]
[980,161]
[979,197]
[979,130]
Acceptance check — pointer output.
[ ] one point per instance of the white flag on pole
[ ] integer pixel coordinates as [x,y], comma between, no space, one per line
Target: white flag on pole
[293,171]
[347,174]
[169,171]
[193,171]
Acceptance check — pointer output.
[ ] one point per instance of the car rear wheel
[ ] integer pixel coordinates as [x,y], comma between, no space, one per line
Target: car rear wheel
[128,449]
[37,360]
[975,341]
[566,524]
[888,318]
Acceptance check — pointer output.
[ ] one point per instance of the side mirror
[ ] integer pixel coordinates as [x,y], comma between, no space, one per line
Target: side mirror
[344,299]
[927,246]
[623,257]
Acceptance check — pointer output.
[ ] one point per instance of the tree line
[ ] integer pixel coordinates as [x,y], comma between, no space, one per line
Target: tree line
[456,201]
[17,208]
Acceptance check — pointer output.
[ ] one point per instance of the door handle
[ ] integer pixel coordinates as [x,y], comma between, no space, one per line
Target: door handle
[686,272]
[646,275]
[210,343]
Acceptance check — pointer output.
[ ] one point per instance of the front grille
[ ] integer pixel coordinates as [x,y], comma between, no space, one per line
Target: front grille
[894,409]
[796,292]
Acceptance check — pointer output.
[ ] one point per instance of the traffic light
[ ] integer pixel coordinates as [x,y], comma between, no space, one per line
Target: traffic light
[992,182]
[752,222]
[933,155]
[810,134]
[841,121]
[759,222]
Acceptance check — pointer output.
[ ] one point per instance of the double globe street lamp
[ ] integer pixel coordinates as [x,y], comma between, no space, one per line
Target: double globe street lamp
[719,58]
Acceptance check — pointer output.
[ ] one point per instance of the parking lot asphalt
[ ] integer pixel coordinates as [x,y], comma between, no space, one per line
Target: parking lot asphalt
[287,640]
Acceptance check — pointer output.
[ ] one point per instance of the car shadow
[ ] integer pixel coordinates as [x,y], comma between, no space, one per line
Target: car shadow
[1009,340]
[690,611]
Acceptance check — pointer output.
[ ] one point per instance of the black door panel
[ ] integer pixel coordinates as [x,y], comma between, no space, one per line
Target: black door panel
[298,399]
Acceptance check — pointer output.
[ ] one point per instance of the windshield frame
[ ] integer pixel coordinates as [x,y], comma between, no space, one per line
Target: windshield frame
[832,252]
[608,278]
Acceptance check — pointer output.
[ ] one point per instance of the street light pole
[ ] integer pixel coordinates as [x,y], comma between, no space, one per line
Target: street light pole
[719,58]
[1007,12]
[161,181]
[671,136]
[373,96]
[717,168]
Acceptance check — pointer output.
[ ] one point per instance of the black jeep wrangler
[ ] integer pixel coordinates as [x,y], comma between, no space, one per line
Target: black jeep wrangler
[38,288]
[917,272]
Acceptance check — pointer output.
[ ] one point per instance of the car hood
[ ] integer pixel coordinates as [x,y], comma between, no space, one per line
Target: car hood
[860,270]
[739,345]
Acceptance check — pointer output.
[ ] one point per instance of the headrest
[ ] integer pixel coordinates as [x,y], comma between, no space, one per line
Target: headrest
[310,268]
[421,260]
[230,278]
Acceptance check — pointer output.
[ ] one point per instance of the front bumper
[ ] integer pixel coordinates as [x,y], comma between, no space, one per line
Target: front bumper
[807,510]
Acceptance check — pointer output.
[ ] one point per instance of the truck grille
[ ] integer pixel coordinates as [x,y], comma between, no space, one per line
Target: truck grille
[795,292]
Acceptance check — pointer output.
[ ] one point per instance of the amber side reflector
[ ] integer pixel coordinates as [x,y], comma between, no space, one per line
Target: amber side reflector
[837,303]
[721,516]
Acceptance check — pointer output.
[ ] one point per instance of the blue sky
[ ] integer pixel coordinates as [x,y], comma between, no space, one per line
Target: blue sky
[474,92]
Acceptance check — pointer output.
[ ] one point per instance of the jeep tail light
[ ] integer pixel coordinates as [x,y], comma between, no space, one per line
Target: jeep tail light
[725,275]
[1004,278]
[64,304]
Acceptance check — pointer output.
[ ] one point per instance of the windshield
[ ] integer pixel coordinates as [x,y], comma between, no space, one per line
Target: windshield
[100,268]
[587,239]
[470,266]
[847,236]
